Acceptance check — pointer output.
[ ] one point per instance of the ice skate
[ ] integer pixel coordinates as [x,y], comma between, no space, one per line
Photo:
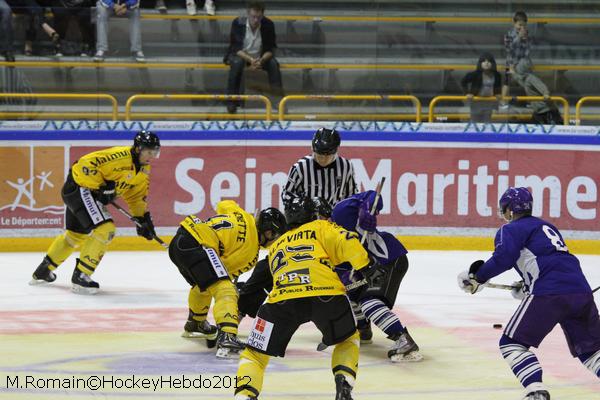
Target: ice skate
[228,345]
[83,284]
[404,349]
[538,395]
[42,274]
[342,388]
[366,334]
[199,330]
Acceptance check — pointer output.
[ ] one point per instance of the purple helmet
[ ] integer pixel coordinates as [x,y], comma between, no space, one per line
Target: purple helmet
[517,200]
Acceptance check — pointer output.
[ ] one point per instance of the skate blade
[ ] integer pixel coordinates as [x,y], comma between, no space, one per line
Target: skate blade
[198,335]
[38,282]
[366,341]
[83,290]
[227,354]
[414,356]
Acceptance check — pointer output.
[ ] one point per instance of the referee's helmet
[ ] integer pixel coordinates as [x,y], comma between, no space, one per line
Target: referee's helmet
[326,141]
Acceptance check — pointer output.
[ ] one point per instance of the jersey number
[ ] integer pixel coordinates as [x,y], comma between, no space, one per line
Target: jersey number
[554,238]
[278,261]
[224,224]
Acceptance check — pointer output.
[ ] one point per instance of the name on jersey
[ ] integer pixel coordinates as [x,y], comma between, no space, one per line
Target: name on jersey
[242,230]
[302,235]
[101,160]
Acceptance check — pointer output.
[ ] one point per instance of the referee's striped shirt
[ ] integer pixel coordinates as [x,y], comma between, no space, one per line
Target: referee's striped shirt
[334,182]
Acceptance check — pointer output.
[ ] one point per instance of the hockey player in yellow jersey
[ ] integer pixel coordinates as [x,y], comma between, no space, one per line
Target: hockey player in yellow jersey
[306,288]
[210,254]
[94,181]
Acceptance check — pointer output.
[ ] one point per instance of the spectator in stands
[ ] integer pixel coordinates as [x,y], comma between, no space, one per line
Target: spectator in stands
[80,10]
[485,81]
[129,8]
[520,68]
[6,32]
[36,19]
[252,44]
[209,7]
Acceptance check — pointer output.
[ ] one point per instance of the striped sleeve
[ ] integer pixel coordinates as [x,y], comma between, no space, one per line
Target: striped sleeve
[293,187]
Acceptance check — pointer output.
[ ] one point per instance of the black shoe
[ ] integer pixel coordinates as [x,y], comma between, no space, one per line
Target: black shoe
[43,274]
[366,334]
[228,345]
[82,283]
[343,389]
[8,56]
[232,108]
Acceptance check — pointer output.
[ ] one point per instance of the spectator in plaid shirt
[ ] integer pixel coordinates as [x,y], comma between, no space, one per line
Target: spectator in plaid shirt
[517,43]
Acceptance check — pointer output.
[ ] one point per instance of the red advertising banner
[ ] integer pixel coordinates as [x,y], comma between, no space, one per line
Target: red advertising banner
[426,186]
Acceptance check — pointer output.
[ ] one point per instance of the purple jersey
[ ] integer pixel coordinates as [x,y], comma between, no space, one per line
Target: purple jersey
[536,249]
[381,245]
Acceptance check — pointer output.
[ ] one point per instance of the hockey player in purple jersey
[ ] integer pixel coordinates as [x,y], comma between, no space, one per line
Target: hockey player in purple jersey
[554,291]
[377,298]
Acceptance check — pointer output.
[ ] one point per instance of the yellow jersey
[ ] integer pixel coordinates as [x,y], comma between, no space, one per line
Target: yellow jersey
[302,261]
[115,164]
[231,233]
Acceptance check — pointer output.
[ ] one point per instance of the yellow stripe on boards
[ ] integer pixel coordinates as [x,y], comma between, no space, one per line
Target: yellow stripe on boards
[475,243]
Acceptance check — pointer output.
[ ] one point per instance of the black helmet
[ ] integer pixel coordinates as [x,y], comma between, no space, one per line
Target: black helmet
[271,219]
[146,140]
[326,141]
[302,210]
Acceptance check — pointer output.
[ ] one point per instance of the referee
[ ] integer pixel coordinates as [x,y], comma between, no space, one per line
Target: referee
[323,173]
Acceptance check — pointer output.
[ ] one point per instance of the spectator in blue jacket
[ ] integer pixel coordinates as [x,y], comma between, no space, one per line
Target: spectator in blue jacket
[129,8]
[252,44]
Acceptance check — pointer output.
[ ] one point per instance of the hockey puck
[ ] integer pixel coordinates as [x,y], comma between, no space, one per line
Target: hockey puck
[497,326]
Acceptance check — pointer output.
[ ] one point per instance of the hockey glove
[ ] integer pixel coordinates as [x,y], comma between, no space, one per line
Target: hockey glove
[366,221]
[519,292]
[467,281]
[106,193]
[145,227]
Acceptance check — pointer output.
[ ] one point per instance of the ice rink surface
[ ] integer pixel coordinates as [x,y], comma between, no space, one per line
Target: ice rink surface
[126,339]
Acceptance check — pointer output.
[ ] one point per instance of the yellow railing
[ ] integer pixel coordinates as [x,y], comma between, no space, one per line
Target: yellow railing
[219,97]
[578,106]
[283,116]
[437,99]
[114,115]
[284,65]
[398,19]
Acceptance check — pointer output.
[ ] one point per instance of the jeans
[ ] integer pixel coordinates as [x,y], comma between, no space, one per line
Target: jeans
[236,71]
[135,33]
[6,29]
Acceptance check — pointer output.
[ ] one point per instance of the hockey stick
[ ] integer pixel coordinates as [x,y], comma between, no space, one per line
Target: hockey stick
[374,206]
[131,218]
[500,286]
[595,290]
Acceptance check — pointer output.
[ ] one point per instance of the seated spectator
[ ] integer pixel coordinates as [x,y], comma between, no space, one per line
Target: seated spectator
[36,19]
[130,8]
[80,10]
[485,81]
[520,68]
[252,43]
[209,7]
[6,32]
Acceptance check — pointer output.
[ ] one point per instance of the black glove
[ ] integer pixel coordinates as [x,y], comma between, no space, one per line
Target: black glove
[145,227]
[106,193]
[373,274]
[475,267]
